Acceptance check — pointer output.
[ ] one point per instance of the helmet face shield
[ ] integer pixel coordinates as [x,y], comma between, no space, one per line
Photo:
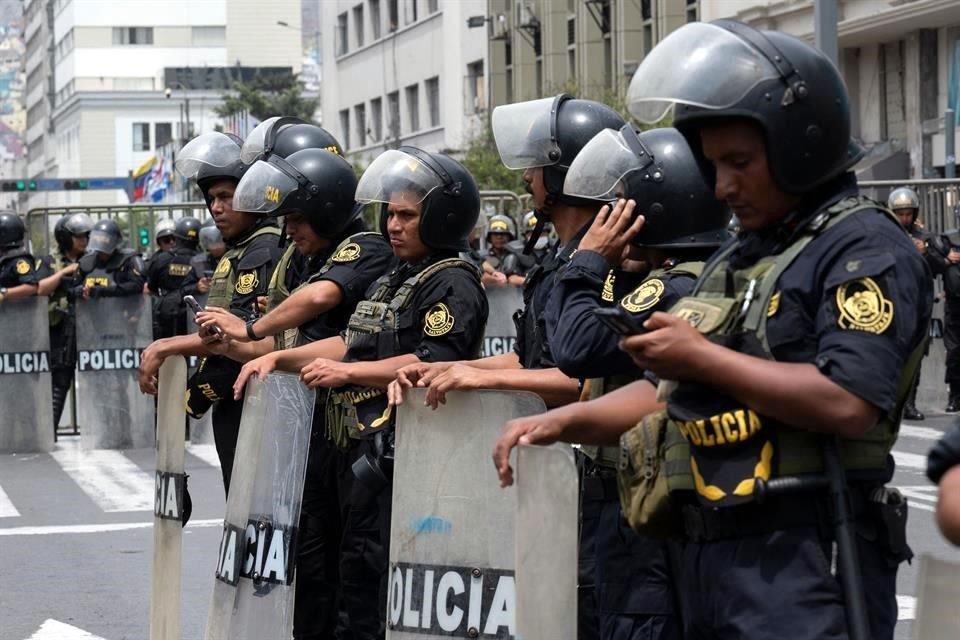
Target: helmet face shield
[256,142]
[78,224]
[209,237]
[396,176]
[599,169]
[903,198]
[524,133]
[263,189]
[101,242]
[684,68]
[214,150]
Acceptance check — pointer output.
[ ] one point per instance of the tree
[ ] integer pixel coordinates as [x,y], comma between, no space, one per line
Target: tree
[276,94]
[481,158]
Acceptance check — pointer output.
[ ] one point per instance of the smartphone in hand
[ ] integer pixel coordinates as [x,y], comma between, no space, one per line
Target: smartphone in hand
[191,302]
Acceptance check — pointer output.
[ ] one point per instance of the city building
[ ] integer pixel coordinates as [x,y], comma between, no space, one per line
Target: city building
[401,72]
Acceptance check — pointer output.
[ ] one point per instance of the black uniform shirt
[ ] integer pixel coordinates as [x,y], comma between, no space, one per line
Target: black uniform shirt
[253,272]
[121,275]
[165,276]
[201,266]
[444,321]
[18,269]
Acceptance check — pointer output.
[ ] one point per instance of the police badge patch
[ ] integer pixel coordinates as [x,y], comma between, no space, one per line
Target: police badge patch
[246,283]
[438,321]
[23,267]
[347,253]
[863,307]
[223,267]
[644,297]
[774,305]
[607,293]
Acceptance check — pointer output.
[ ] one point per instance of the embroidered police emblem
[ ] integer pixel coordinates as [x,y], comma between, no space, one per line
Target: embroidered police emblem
[862,306]
[644,297]
[223,267]
[23,267]
[853,266]
[438,321]
[348,253]
[774,305]
[607,294]
[246,283]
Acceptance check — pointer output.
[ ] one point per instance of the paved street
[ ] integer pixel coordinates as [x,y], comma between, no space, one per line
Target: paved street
[76,538]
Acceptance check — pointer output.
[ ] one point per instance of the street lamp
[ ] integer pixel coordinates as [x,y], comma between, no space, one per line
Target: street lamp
[185,128]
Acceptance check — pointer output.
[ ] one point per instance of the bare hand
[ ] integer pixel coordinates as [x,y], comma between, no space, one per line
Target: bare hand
[262,304]
[495,279]
[919,244]
[85,292]
[457,377]
[612,230]
[232,326]
[671,348]
[418,374]
[542,429]
[203,285]
[323,372]
[953,257]
[262,366]
[150,361]
[70,269]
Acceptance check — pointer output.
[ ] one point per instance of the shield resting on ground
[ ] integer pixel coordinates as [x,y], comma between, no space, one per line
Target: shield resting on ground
[201,431]
[500,334]
[254,580]
[938,592]
[25,392]
[452,533]
[168,502]
[111,334]
[547,524]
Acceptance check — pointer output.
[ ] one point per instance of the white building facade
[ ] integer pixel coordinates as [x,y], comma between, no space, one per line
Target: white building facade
[123,78]
[895,59]
[403,72]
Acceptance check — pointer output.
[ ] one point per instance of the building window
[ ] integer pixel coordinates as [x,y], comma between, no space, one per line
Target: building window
[163,133]
[345,127]
[410,12]
[693,10]
[571,30]
[432,86]
[433,6]
[393,113]
[393,20]
[358,24]
[208,36]
[360,115]
[342,44]
[413,107]
[141,136]
[133,35]
[476,98]
[375,18]
[376,119]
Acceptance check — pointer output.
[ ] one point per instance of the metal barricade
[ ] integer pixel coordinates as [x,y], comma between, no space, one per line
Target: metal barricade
[25,387]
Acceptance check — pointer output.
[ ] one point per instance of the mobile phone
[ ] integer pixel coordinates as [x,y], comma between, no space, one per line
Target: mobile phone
[191,302]
[619,320]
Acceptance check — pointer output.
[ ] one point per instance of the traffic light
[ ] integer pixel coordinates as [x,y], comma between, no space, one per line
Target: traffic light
[14,185]
[144,237]
[74,185]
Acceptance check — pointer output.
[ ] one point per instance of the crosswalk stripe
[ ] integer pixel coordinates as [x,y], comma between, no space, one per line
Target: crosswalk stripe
[55,630]
[906,607]
[912,461]
[49,530]
[108,477]
[924,433]
[206,452]
[7,510]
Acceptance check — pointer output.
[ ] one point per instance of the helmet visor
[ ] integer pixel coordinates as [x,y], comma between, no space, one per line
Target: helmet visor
[395,172]
[78,224]
[699,64]
[263,189]
[212,149]
[102,242]
[523,133]
[598,170]
[256,142]
[903,198]
[210,236]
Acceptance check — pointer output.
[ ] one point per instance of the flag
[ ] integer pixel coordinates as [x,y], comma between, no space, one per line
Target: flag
[158,180]
[140,178]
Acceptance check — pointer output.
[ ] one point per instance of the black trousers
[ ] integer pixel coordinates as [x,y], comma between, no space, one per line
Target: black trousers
[226,428]
[951,341]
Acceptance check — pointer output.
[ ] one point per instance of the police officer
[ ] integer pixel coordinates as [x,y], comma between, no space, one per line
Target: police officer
[58,272]
[816,315]
[164,236]
[241,277]
[943,469]
[906,206]
[18,274]
[202,265]
[109,270]
[500,265]
[166,274]
[432,305]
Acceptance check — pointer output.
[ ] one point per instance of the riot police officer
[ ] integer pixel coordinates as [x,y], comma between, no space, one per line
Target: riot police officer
[816,315]
[197,282]
[108,269]
[428,306]
[18,274]
[165,237]
[59,272]
[500,265]
[166,274]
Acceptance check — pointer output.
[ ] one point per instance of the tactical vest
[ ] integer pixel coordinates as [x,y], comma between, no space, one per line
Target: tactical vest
[358,412]
[610,456]
[225,277]
[724,305]
[12,254]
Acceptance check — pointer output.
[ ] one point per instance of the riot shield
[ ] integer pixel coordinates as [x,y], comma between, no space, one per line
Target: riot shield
[500,333]
[25,392]
[547,526]
[938,592]
[254,580]
[452,532]
[168,502]
[111,334]
[201,430]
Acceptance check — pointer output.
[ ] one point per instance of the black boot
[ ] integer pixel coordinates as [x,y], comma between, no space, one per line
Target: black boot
[910,412]
[953,405]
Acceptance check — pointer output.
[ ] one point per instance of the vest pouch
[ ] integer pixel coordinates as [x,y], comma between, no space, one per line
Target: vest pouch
[707,315]
[642,479]
[357,413]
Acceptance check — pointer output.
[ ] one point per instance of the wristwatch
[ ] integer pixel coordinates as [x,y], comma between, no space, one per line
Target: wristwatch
[3,292]
[250,333]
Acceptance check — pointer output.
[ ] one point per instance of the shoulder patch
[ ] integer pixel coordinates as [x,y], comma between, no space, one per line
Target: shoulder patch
[438,321]
[246,283]
[643,297]
[862,306]
[774,305]
[347,253]
[223,267]
[23,267]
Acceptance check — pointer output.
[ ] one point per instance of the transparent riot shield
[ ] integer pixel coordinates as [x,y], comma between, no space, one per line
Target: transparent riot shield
[452,533]
[254,580]
[168,502]
[500,333]
[25,392]
[938,592]
[547,526]
[201,430]
[111,334]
